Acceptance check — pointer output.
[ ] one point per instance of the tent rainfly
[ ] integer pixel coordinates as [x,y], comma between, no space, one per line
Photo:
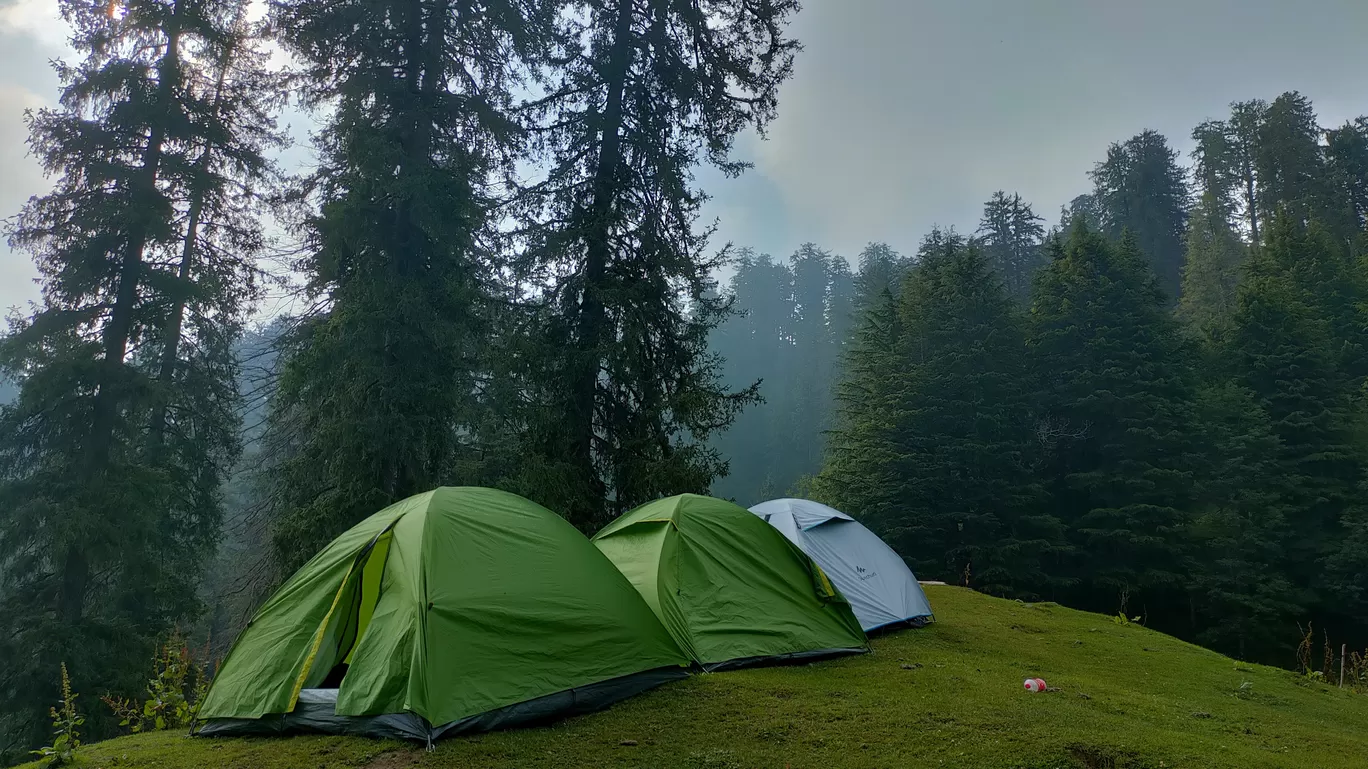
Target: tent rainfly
[731,590]
[875,579]
[458,610]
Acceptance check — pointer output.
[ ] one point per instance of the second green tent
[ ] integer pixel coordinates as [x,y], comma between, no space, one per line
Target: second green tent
[730,588]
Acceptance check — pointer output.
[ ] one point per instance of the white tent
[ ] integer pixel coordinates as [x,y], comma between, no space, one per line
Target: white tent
[876,580]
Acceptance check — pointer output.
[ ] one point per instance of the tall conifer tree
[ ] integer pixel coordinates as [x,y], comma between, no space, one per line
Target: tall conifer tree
[112,457]
[1346,154]
[1114,366]
[648,89]
[1288,160]
[1284,353]
[756,345]
[821,294]
[1012,237]
[1214,169]
[878,268]
[1211,273]
[859,472]
[968,509]
[1140,188]
[1244,602]
[377,395]
[1246,120]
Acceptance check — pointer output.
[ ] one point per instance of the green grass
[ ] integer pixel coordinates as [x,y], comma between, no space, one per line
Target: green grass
[948,695]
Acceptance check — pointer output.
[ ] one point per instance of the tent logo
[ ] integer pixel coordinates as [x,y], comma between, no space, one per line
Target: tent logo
[865,573]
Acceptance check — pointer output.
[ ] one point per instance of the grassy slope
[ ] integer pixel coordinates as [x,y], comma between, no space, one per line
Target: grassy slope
[949,695]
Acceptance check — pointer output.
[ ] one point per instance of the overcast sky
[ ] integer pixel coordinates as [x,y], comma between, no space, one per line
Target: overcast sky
[907,113]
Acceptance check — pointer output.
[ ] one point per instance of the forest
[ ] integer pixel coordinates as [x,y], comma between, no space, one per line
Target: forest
[1155,407]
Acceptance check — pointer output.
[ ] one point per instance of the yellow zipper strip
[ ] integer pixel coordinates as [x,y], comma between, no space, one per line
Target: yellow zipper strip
[826,583]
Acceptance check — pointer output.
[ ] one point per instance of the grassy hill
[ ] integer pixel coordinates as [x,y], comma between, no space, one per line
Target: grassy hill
[949,695]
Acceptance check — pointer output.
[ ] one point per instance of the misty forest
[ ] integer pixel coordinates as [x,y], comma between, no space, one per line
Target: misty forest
[1152,403]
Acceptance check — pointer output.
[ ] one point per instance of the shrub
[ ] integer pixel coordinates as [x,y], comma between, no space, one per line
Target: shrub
[66,739]
[168,706]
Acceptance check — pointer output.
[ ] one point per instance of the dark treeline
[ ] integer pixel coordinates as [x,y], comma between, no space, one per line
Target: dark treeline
[505,279]
[1158,408]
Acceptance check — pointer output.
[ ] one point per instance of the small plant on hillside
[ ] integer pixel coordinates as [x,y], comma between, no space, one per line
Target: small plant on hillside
[1304,651]
[1356,672]
[167,705]
[66,739]
[1122,616]
[1305,658]
[129,712]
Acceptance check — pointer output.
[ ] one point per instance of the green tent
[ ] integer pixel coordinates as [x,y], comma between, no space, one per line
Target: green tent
[461,609]
[728,586]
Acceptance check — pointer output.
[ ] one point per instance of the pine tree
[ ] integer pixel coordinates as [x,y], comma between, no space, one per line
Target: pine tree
[1215,170]
[646,90]
[818,338]
[1288,159]
[1083,208]
[1211,273]
[880,268]
[859,472]
[939,242]
[1333,287]
[125,426]
[1282,351]
[841,320]
[376,393]
[1141,188]
[1246,121]
[1346,578]
[1244,603]
[967,508]
[1012,235]
[755,344]
[1346,155]
[1117,377]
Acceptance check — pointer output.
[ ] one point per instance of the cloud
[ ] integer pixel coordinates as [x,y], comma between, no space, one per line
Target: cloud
[22,178]
[903,114]
[30,35]
[37,20]
[907,113]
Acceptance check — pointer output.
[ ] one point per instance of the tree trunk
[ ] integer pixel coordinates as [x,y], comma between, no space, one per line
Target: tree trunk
[423,75]
[592,313]
[175,322]
[1247,171]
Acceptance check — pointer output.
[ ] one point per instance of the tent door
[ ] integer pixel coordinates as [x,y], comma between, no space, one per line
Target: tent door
[350,617]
